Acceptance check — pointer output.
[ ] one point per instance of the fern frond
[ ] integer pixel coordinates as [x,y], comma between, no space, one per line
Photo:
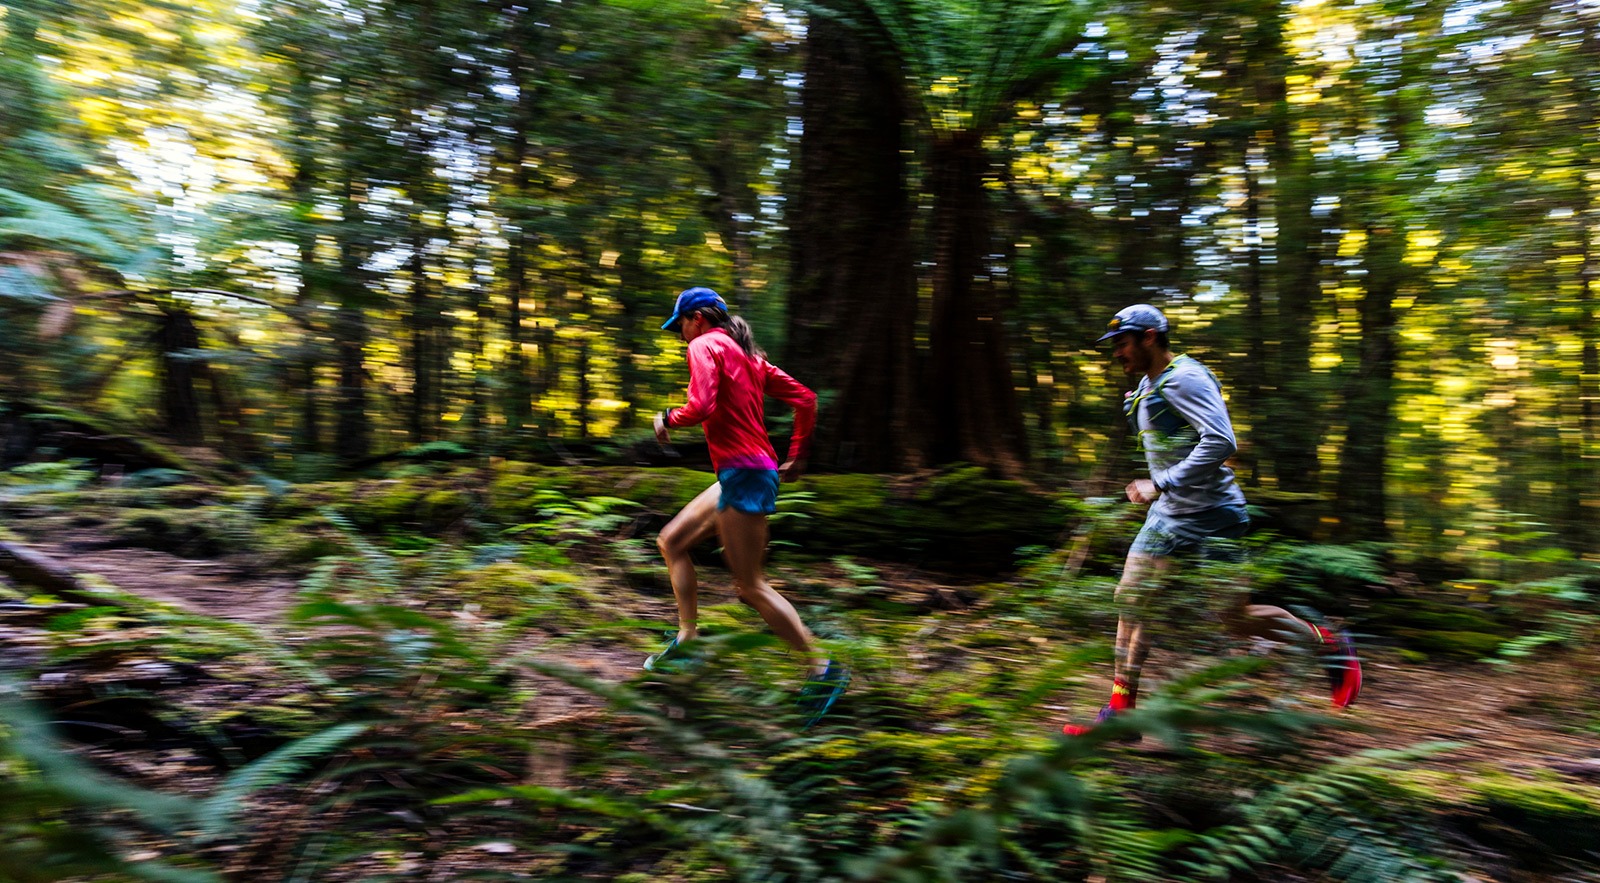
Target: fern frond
[37,221]
[274,768]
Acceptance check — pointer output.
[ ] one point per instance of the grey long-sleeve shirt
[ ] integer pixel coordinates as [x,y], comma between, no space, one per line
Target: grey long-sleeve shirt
[1183,428]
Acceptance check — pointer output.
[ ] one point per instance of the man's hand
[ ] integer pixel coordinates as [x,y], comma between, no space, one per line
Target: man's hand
[1142,490]
[661,427]
[791,470]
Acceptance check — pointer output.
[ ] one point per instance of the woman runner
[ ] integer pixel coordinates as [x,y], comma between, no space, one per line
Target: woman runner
[728,375]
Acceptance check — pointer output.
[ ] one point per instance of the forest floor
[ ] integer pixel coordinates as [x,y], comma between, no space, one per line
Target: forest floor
[1515,721]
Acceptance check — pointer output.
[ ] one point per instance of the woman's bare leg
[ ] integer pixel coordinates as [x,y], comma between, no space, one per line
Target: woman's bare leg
[692,525]
[744,546]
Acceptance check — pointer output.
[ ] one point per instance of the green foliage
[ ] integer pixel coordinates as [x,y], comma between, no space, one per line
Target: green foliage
[30,221]
[206,532]
[1345,819]
[1562,612]
[438,450]
[61,818]
[1323,576]
[54,477]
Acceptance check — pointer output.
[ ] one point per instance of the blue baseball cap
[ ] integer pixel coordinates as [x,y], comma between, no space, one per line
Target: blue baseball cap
[691,299]
[1139,317]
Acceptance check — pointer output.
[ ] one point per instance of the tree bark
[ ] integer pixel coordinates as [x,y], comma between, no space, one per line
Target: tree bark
[352,433]
[419,322]
[970,388]
[180,405]
[1369,395]
[302,150]
[853,303]
[1293,415]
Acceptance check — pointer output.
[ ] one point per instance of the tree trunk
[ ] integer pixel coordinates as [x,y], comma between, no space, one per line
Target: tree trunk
[970,388]
[419,322]
[303,140]
[853,301]
[180,405]
[519,386]
[1369,395]
[1589,475]
[1256,313]
[352,433]
[1294,418]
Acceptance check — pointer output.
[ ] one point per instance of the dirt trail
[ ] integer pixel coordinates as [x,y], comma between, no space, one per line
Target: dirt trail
[1507,719]
[214,588]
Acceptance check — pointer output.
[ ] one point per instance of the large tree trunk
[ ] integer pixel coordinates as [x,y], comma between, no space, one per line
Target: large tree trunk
[853,302]
[180,405]
[1584,475]
[970,388]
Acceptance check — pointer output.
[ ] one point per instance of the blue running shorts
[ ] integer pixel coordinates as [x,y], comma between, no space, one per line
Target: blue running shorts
[752,491]
[1168,535]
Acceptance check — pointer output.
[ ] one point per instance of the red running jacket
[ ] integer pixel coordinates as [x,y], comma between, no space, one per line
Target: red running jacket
[726,386]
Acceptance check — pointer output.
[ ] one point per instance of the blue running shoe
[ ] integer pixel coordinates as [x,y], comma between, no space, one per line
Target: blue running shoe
[819,693]
[669,658]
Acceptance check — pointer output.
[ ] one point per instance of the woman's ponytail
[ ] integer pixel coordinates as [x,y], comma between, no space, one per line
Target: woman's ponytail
[737,328]
[740,331]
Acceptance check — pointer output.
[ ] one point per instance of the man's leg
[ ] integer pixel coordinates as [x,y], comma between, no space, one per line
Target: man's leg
[1141,575]
[694,524]
[1338,652]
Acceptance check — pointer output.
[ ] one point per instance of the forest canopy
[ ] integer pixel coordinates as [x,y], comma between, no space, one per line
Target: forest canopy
[308,234]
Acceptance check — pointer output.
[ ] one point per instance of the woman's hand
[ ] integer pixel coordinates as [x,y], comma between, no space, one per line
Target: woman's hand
[1142,490]
[791,470]
[661,427]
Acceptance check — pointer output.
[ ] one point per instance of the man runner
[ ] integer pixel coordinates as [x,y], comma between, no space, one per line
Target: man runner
[1179,417]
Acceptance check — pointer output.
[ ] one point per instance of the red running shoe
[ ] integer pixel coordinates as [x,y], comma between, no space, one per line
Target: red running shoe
[1105,714]
[1342,665]
[1080,729]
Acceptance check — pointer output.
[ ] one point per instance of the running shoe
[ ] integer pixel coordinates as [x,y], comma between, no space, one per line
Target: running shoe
[820,692]
[1339,660]
[664,661]
[1105,714]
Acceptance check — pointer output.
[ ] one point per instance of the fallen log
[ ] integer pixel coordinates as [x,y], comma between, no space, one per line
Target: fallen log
[33,568]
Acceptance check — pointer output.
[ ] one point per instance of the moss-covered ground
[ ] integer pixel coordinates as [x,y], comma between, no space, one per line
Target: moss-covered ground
[479,632]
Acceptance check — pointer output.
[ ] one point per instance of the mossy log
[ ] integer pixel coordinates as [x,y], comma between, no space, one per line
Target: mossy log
[40,571]
[26,427]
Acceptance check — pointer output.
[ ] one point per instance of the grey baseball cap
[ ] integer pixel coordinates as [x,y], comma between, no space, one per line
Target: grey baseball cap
[1139,317]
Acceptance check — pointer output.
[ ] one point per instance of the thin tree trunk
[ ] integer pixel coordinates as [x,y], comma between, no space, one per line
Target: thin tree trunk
[419,323]
[519,387]
[1255,310]
[1294,418]
[1369,395]
[180,405]
[302,185]
[352,436]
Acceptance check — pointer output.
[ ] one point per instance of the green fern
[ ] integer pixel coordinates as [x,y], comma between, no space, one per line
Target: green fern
[1342,819]
[220,809]
[35,221]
